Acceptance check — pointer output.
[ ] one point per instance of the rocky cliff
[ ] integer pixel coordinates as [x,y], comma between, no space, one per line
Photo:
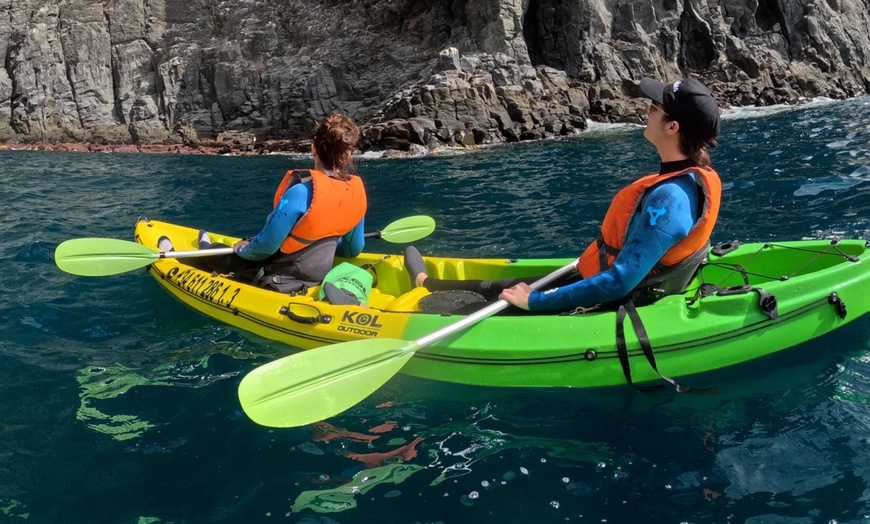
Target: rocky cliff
[417,74]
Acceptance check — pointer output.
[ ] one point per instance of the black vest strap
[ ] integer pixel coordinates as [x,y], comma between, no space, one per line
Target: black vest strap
[602,252]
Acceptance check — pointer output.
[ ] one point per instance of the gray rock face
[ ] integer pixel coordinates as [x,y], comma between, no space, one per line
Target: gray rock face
[417,74]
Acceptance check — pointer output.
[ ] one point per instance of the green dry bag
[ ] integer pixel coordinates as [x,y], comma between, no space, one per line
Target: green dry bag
[354,281]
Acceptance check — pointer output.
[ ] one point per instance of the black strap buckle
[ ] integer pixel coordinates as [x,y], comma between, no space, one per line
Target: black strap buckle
[835,300]
[767,303]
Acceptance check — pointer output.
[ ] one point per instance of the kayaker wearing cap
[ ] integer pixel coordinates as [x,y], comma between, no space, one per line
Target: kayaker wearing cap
[657,229]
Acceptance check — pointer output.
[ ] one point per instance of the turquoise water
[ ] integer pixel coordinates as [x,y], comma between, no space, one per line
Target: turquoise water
[119,404]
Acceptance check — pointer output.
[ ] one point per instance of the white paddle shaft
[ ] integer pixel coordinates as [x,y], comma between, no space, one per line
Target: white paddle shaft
[197,253]
[489,310]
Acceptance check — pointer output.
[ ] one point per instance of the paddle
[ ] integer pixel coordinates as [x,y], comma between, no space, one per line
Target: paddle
[97,257]
[313,385]
[406,230]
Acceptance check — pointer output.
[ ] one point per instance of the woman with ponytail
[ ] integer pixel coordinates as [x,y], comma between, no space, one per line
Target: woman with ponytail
[657,230]
[317,214]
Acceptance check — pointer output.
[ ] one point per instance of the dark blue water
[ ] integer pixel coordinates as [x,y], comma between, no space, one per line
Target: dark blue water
[119,404]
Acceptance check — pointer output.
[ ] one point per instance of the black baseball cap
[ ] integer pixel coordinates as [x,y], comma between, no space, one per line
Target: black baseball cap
[689,102]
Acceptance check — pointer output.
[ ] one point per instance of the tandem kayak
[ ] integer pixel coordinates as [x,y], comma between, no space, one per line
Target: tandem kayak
[746,301]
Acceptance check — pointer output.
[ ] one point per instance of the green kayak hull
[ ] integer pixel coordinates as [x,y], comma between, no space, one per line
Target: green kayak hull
[725,317]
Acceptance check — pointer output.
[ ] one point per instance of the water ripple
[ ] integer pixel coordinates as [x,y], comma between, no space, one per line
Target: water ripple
[88,362]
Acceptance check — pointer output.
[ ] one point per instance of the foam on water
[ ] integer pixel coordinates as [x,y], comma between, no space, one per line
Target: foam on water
[756,112]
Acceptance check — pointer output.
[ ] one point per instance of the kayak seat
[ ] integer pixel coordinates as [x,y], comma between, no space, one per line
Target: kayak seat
[380,300]
[448,271]
[376,300]
[408,302]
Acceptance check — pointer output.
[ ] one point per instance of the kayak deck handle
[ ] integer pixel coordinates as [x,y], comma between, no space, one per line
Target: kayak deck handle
[316,319]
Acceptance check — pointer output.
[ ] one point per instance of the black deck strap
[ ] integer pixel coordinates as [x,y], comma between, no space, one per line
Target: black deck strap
[643,338]
[740,269]
[707,289]
[622,351]
[628,308]
[621,348]
[835,243]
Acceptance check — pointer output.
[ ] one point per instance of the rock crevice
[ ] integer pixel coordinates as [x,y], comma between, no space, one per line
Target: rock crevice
[417,75]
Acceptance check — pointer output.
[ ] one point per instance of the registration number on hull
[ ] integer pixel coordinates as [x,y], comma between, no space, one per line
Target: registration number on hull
[216,291]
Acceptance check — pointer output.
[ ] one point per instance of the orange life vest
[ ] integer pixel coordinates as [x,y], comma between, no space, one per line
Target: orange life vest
[599,256]
[336,207]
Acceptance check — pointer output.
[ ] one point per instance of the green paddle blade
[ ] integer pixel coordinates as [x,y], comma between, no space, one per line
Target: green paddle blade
[408,229]
[304,388]
[313,385]
[97,257]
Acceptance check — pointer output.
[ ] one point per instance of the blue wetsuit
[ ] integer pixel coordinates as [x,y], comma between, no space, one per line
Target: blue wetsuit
[667,213]
[262,258]
[293,204]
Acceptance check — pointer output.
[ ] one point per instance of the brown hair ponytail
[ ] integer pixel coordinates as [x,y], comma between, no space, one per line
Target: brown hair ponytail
[697,150]
[334,140]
